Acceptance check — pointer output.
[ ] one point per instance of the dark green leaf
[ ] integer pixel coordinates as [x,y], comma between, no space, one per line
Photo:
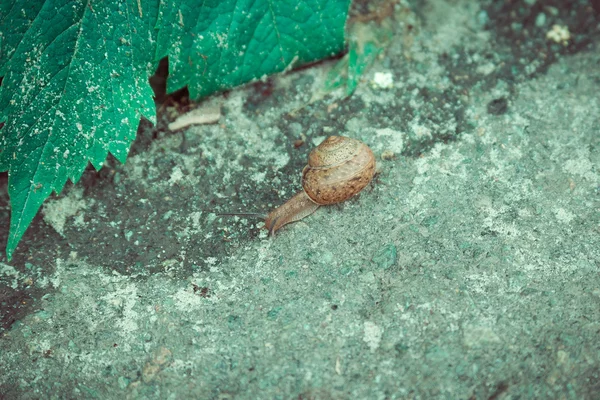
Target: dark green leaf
[74,90]
[221,44]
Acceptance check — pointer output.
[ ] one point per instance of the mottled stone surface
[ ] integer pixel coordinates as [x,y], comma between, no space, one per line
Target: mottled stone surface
[469,268]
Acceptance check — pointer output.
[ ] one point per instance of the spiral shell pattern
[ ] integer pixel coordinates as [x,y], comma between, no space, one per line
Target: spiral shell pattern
[337,169]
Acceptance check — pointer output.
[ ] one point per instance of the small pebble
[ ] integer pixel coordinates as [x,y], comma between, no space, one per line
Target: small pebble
[540,20]
[383,80]
[497,106]
[123,382]
[483,18]
[386,256]
[388,155]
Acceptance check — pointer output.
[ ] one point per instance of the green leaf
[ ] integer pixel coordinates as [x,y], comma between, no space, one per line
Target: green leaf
[17,20]
[221,44]
[75,74]
[366,42]
[74,90]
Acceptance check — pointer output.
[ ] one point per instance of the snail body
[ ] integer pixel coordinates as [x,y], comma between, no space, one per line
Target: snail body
[337,169]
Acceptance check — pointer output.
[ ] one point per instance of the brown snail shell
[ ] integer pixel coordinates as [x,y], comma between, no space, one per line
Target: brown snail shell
[337,169]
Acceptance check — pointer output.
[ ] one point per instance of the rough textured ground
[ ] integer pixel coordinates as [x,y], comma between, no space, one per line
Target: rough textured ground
[470,268]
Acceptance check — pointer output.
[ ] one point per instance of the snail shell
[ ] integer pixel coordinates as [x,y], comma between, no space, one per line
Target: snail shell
[337,169]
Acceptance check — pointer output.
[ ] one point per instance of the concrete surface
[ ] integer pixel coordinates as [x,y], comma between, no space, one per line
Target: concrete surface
[469,269]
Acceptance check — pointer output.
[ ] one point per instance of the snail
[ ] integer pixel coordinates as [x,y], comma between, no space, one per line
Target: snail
[337,169]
